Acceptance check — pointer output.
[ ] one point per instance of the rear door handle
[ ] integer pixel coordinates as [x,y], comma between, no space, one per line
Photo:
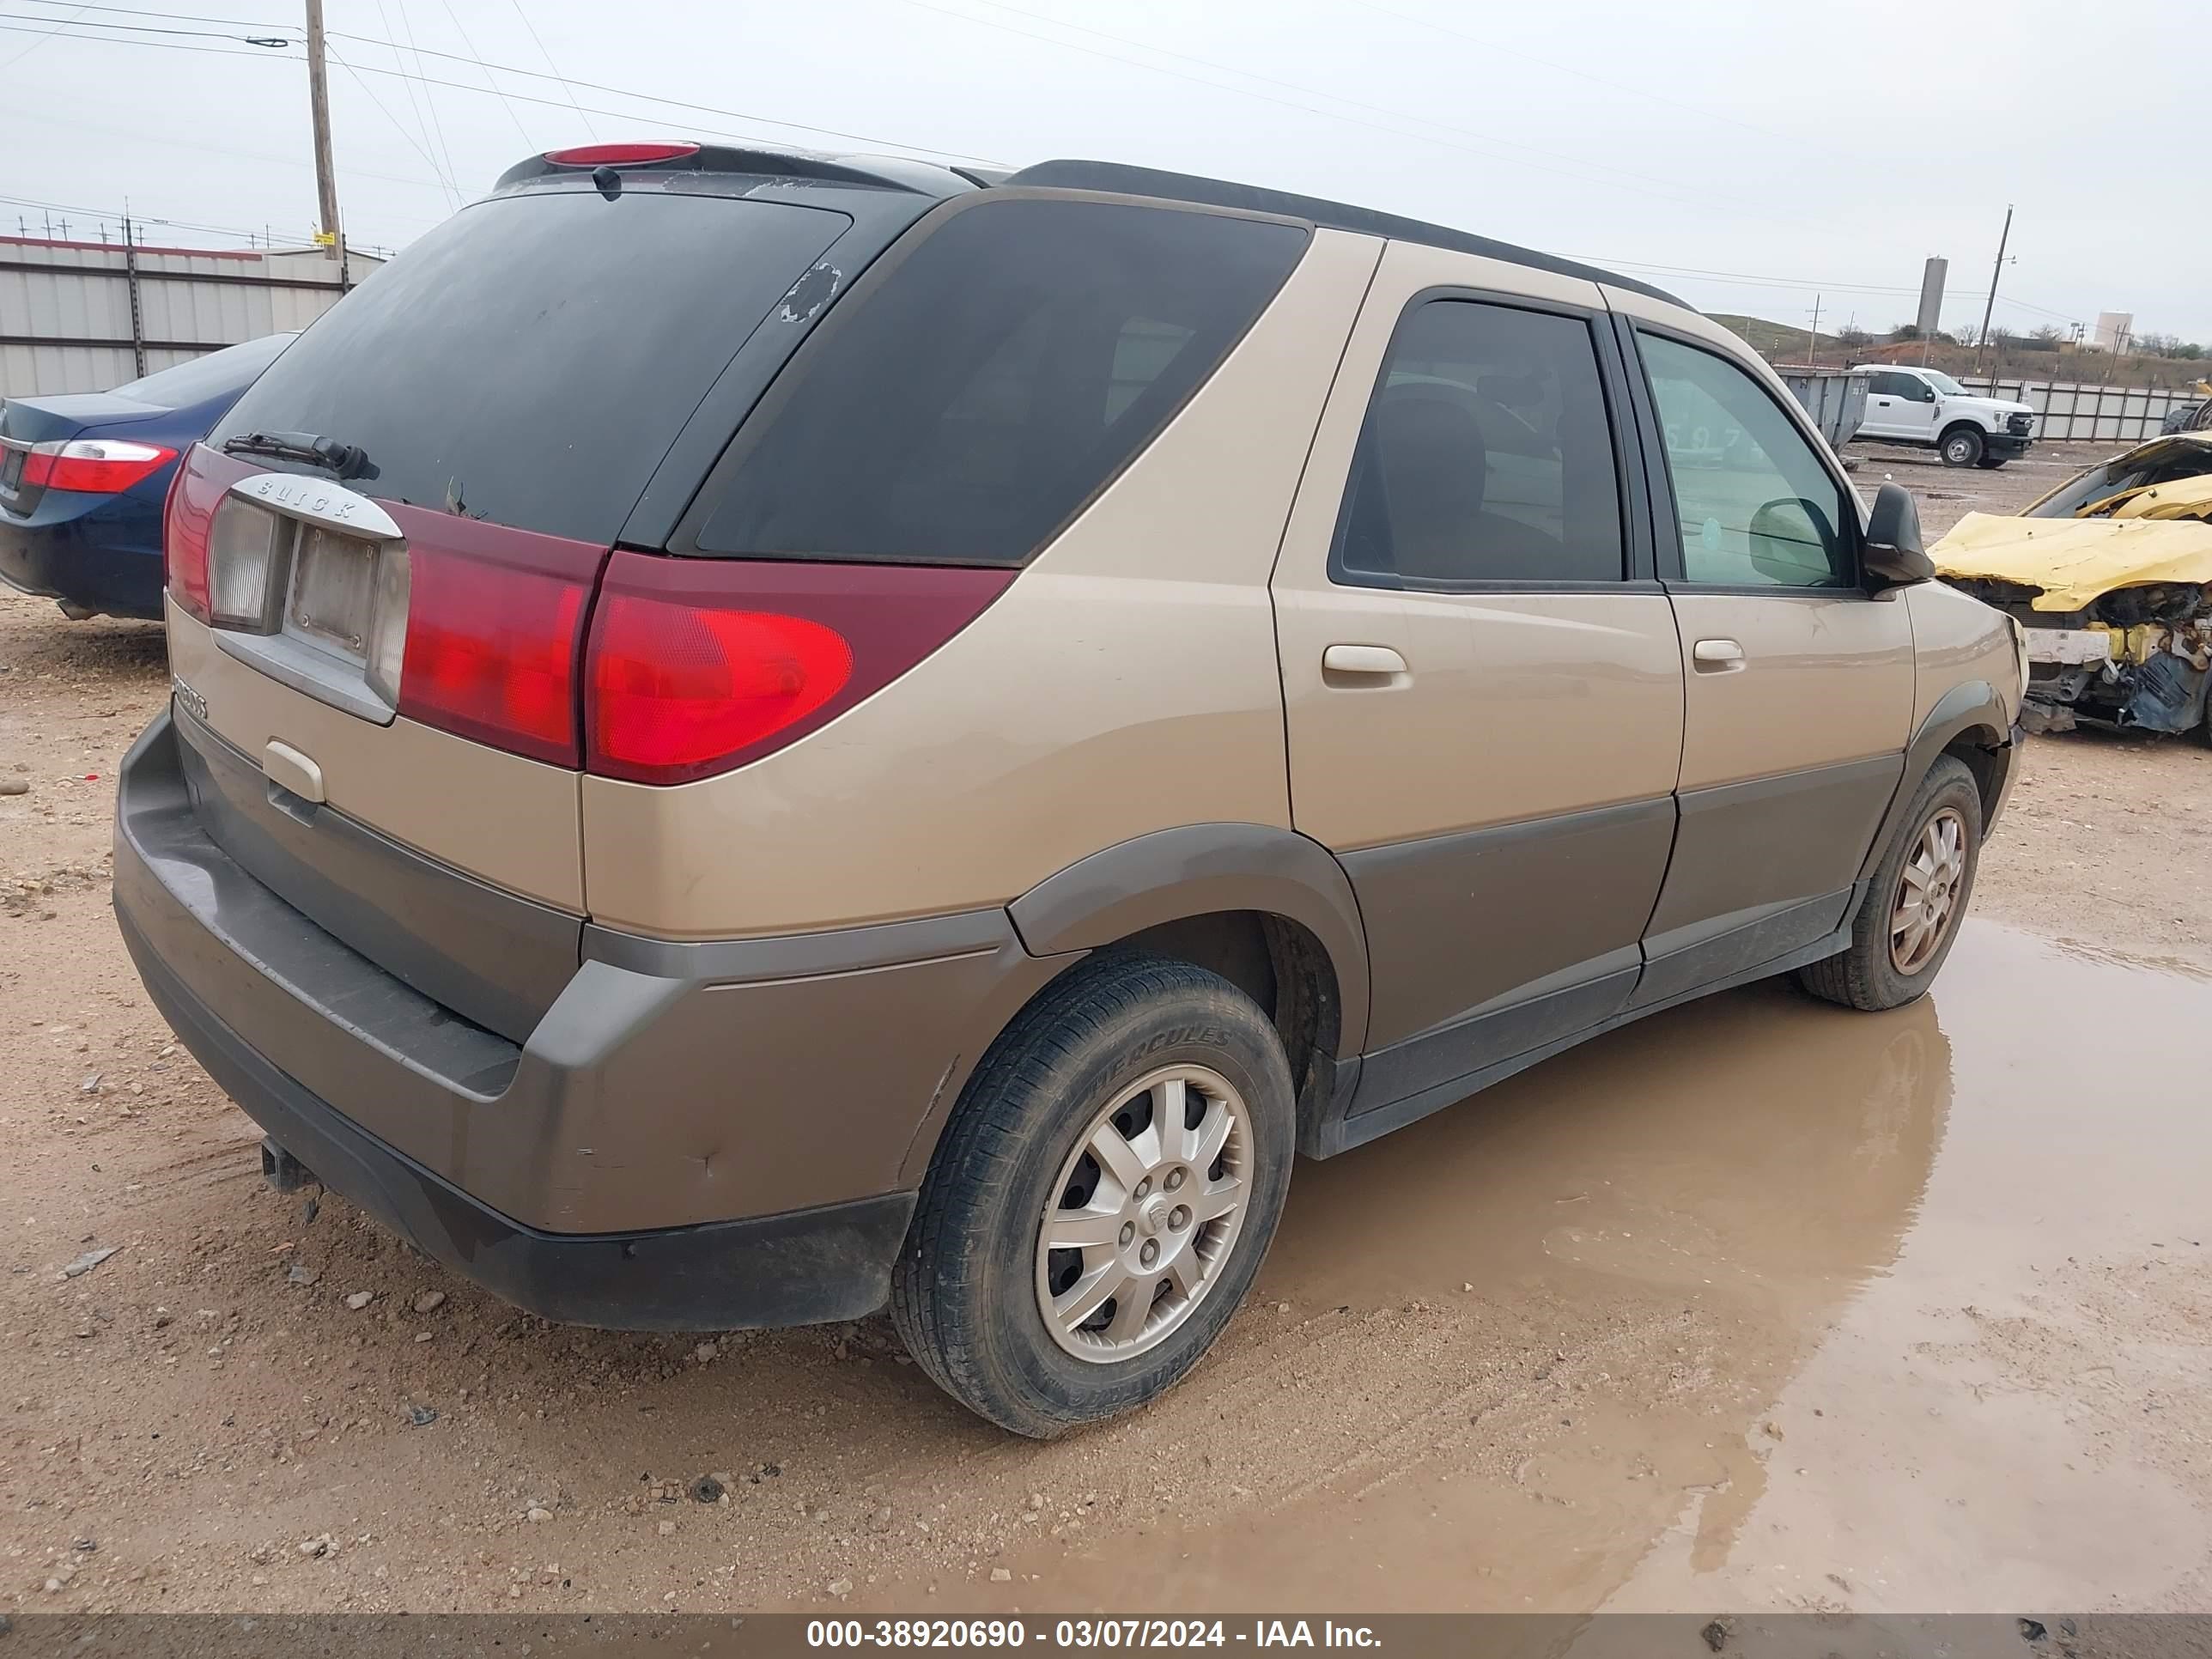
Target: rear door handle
[1717,655]
[1367,661]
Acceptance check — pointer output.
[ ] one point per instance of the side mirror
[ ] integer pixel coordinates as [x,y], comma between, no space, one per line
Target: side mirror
[1894,556]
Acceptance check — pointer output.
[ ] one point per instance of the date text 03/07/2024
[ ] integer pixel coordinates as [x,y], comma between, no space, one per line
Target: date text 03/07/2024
[1087,1633]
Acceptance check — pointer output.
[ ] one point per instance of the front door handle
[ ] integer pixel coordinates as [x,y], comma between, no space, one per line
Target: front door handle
[1718,656]
[1365,661]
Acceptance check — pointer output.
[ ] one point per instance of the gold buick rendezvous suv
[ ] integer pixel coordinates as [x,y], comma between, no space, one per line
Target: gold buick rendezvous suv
[755,736]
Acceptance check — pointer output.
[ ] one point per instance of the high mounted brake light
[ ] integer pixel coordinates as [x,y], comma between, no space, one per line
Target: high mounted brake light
[619,156]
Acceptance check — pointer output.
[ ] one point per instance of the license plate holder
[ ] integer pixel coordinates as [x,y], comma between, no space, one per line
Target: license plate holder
[332,594]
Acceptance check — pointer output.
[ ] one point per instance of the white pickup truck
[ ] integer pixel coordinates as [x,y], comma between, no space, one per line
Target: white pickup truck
[1927,408]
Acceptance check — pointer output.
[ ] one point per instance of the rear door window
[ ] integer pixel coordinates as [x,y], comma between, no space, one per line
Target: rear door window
[530,359]
[1488,456]
[967,402]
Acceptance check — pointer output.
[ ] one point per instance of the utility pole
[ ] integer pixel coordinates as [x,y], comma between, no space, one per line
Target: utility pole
[1813,337]
[137,311]
[1988,306]
[318,102]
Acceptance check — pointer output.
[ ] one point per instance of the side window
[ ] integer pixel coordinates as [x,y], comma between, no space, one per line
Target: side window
[1486,455]
[966,407]
[1889,384]
[1757,507]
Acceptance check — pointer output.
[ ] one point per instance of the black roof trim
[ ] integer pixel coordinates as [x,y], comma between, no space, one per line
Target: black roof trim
[1337,215]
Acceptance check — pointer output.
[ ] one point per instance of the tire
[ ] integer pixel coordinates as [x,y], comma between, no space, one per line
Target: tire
[1961,445]
[1991,462]
[1871,974]
[970,1289]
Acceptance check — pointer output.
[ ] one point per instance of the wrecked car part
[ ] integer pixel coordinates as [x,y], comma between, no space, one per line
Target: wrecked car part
[2169,476]
[2068,564]
[2164,694]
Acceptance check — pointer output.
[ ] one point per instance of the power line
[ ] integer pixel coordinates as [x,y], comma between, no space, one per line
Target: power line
[429,97]
[42,39]
[415,108]
[173,16]
[655,98]
[443,185]
[1485,138]
[99,213]
[77,125]
[567,84]
[1643,185]
[1568,69]
[554,66]
[462,30]
[111,40]
[140,28]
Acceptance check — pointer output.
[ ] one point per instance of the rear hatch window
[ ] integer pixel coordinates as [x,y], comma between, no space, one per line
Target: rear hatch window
[530,359]
[981,386]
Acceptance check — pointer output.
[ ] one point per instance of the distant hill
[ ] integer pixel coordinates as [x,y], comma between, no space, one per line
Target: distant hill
[1784,342]
[2009,357]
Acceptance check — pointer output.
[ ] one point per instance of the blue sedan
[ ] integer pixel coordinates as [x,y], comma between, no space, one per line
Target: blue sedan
[83,477]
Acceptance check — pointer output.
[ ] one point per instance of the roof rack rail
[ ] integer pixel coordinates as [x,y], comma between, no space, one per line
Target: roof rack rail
[1339,215]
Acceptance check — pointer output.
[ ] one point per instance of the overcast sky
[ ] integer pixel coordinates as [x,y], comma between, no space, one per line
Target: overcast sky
[1746,154]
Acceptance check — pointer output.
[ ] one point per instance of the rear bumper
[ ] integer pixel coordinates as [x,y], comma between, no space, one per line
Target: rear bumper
[692,1137]
[107,559]
[831,1262]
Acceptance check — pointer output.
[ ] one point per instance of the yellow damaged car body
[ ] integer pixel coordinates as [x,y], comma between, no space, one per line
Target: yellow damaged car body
[2072,562]
[2110,577]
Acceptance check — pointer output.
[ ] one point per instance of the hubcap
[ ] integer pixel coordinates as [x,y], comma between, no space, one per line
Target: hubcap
[1927,888]
[1144,1214]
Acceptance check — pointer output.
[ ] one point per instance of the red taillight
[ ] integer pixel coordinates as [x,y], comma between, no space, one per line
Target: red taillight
[94,466]
[492,643]
[619,156]
[674,688]
[695,667]
[186,517]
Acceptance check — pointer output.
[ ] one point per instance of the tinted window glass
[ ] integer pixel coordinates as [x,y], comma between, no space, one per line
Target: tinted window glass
[1486,455]
[220,373]
[998,376]
[1758,508]
[530,359]
[2114,480]
[1890,384]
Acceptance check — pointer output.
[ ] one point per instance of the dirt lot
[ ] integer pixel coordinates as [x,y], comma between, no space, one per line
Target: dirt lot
[1756,1305]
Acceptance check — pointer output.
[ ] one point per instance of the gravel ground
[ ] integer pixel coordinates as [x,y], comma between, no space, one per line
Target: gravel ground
[1755,1304]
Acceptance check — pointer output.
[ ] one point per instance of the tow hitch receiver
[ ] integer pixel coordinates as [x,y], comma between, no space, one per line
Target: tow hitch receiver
[283,1171]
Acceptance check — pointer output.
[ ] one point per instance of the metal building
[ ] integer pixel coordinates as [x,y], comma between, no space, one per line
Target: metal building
[86,316]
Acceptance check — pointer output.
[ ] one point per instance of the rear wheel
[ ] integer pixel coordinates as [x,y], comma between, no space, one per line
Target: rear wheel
[1101,1198]
[1905,924]
[1961,445]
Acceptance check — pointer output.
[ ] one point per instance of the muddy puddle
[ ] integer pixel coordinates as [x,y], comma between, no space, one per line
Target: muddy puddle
[1759,1304]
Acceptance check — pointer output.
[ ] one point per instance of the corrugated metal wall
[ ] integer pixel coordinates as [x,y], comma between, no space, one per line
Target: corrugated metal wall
[2075,412]
[65,322]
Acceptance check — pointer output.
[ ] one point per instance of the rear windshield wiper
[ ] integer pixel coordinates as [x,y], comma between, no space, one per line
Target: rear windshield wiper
[344,459]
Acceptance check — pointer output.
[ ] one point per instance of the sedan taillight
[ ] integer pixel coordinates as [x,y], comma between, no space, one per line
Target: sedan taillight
[94,467]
